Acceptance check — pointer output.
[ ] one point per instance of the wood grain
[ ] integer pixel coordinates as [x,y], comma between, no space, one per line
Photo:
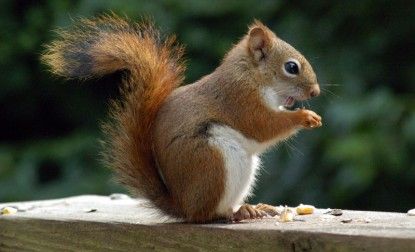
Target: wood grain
[128,225]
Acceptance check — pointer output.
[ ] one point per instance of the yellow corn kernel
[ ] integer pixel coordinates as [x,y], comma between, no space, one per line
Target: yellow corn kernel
[305,209]
[8,210]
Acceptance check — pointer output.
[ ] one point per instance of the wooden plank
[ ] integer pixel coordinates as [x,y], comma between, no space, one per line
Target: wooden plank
[127,224]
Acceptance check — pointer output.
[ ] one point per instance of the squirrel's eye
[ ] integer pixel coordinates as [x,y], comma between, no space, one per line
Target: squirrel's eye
[291,67]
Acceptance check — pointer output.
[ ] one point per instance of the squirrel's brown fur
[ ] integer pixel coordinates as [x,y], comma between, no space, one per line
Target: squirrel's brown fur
[193,150]
[95,47]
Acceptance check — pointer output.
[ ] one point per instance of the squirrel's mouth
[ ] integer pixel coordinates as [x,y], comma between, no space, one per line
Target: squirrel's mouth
[289,102]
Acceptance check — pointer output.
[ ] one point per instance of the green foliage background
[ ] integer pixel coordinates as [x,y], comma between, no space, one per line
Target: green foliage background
[363,53]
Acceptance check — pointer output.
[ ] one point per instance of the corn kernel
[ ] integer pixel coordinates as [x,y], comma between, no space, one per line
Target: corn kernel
[305,209]
[8,210]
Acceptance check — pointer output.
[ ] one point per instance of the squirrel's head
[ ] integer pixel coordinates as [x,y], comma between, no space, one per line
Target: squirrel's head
[277,65]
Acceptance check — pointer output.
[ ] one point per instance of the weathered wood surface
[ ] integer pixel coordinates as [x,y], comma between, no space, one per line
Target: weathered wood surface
[126,224]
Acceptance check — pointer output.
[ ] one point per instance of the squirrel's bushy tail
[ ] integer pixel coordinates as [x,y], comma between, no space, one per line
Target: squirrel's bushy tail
[95,47]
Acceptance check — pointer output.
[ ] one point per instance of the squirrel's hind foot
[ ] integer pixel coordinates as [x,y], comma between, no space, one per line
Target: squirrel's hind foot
[270,210]
[247,211]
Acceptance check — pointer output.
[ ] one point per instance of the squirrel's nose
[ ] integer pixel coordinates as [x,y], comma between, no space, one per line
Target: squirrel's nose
[314,91]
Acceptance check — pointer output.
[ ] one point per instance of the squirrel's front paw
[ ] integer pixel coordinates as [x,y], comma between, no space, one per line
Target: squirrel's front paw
[309,119]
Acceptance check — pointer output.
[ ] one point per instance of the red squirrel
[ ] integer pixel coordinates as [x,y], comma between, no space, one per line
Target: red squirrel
[192,151]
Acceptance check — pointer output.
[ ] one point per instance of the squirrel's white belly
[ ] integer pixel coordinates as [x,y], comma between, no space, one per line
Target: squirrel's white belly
[241,164]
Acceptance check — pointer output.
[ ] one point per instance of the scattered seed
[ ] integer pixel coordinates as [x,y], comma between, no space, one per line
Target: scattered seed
[411,212]
[346,220]
[8,210]
[286,215]
[90,210]
[305,209]
[335,212]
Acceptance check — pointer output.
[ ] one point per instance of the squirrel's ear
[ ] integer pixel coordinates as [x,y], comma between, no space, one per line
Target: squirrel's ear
[259,42]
